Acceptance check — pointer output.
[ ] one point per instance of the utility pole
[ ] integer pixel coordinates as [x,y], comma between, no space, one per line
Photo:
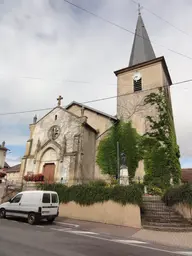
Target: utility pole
[118,162]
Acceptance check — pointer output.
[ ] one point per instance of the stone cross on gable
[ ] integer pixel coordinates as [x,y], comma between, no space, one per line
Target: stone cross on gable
[59,100]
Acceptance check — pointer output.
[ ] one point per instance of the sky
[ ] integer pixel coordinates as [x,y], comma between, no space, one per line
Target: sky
[50,48]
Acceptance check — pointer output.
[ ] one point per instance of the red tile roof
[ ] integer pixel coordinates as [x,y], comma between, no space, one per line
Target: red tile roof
[6,165]
[186,175]
[15,168]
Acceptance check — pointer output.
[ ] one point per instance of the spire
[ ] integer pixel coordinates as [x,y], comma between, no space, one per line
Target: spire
[142,49]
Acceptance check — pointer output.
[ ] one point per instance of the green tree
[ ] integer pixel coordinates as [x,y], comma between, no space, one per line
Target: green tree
[128,140]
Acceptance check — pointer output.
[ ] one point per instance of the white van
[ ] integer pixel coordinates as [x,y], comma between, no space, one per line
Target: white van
[32,205]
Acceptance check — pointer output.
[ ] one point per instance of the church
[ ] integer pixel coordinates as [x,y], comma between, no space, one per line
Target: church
[63,144]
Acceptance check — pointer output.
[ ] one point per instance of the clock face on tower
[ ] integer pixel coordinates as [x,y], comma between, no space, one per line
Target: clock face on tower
[136,76]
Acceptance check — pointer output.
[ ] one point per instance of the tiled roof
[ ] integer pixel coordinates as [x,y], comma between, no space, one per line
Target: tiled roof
[6,165]
[15,168]
[186,175]
[91,109]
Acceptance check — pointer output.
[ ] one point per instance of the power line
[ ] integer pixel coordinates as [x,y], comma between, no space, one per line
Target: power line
[127,30]
[55,80]
[23,112]
[183,82]
[161,18]
[96,100]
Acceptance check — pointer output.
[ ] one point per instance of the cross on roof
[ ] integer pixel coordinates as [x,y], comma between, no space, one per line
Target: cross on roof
[59,100]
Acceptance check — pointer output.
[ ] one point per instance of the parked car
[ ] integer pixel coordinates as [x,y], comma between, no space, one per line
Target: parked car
[32,205]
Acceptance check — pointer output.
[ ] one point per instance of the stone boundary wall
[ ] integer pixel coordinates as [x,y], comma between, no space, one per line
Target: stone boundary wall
[108,212]
[184,210]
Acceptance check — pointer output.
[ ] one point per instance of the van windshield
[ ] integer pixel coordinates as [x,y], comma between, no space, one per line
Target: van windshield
[54,198]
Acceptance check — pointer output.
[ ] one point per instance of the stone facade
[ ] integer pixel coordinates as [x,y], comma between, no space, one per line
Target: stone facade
[13,174]
[101,122]
[64,140]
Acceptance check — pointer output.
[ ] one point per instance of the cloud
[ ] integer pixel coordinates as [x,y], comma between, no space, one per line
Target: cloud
[14,160]
[46,43]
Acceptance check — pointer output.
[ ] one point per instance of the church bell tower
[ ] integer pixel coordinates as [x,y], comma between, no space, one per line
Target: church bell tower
[145,74]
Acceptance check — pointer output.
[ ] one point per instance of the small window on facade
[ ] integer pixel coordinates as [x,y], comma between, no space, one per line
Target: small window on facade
[46,198]
[54,198]
[137,84]
[55,117]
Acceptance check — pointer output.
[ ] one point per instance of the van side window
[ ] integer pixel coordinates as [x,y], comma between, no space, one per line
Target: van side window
[46,198]
[16,199]
[54,198]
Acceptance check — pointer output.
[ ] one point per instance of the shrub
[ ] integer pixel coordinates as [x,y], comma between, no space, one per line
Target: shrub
[96,183]
[88,194]
[155,191]
[179,194]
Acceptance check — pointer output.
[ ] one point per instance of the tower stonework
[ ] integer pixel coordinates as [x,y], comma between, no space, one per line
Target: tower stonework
[130,104]
[144,75]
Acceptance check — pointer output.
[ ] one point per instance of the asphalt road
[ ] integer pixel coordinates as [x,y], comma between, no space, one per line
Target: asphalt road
[19,238]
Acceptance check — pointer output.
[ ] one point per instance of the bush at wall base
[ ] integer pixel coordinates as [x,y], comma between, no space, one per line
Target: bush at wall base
[87,194]
[178,194]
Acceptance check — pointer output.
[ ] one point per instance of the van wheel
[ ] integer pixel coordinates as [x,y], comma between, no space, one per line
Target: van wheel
[50,219]
[32,218]
[2,213]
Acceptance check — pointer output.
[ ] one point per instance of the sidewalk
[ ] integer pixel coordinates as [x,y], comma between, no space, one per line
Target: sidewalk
[174,239]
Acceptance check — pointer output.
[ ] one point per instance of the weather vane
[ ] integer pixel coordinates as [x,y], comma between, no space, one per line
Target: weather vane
[139,8]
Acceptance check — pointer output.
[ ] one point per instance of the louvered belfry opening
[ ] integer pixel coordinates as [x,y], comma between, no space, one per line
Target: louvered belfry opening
[137,84]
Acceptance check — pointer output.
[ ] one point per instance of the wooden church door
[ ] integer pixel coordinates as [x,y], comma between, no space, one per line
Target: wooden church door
[49,172]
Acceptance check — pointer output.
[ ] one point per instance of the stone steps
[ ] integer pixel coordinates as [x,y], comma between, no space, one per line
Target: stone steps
[160,213]
[164,220]
[159,209]
[166,224]
[157,216]
[151,198]
[168,229]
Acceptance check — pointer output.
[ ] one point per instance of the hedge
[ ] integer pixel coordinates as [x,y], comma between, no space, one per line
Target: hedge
[179,194]
[88,194]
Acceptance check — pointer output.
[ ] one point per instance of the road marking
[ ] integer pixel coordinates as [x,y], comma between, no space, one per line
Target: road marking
[38,226]
[133,245]
[129,241]
[185,253]
[83,232]
[60,229]
[67,224]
